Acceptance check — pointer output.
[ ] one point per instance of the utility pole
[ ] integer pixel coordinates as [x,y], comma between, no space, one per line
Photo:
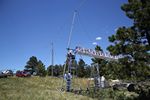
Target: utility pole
[52,58]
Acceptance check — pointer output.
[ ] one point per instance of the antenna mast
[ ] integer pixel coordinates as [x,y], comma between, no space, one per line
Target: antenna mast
[52,58]
[71,29]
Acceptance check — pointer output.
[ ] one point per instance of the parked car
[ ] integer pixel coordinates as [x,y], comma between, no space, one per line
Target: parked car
[2,75]
[8,72]
[23,74]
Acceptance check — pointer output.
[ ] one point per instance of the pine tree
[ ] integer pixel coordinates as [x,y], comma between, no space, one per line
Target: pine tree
[32,64]
[35,66]
[49,70]
[100,62]
[87,71]
[133,42]
[41,68]
[139,12]
[80,68]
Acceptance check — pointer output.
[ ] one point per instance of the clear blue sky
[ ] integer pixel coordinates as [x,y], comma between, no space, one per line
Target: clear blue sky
[27,28]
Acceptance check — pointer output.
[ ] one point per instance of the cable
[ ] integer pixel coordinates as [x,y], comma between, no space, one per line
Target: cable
[81,4]
[82,27]
[73,20]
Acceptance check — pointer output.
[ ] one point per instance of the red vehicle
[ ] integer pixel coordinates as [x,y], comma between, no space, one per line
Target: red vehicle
[23,74]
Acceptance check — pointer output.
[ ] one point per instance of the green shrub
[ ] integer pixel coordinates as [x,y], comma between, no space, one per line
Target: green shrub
[143,89]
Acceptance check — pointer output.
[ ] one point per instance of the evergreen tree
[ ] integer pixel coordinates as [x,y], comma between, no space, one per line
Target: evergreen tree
[32,64]
[100,62]
[49,70]
[139,12]
[58,70]
[87,72]
[97,60]
[35,66]
[74,67]
[133,42]
[41,69]
[80,68]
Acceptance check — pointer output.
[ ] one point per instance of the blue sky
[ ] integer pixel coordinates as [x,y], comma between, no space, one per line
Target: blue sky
[27,28]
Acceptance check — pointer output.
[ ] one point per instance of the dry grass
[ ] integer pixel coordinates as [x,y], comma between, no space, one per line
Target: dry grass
[37,88]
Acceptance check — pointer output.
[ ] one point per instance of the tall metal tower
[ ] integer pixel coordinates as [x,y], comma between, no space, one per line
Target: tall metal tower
[52,51]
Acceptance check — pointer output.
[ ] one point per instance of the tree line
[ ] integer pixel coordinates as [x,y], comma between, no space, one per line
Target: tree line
[35,66]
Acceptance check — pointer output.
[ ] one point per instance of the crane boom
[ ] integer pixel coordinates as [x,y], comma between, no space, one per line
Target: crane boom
[95,54]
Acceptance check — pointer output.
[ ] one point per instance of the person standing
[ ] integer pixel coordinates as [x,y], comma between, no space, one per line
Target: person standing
[68,77]
[102,81]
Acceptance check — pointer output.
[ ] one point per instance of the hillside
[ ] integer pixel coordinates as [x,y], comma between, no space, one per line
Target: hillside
[35,88]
